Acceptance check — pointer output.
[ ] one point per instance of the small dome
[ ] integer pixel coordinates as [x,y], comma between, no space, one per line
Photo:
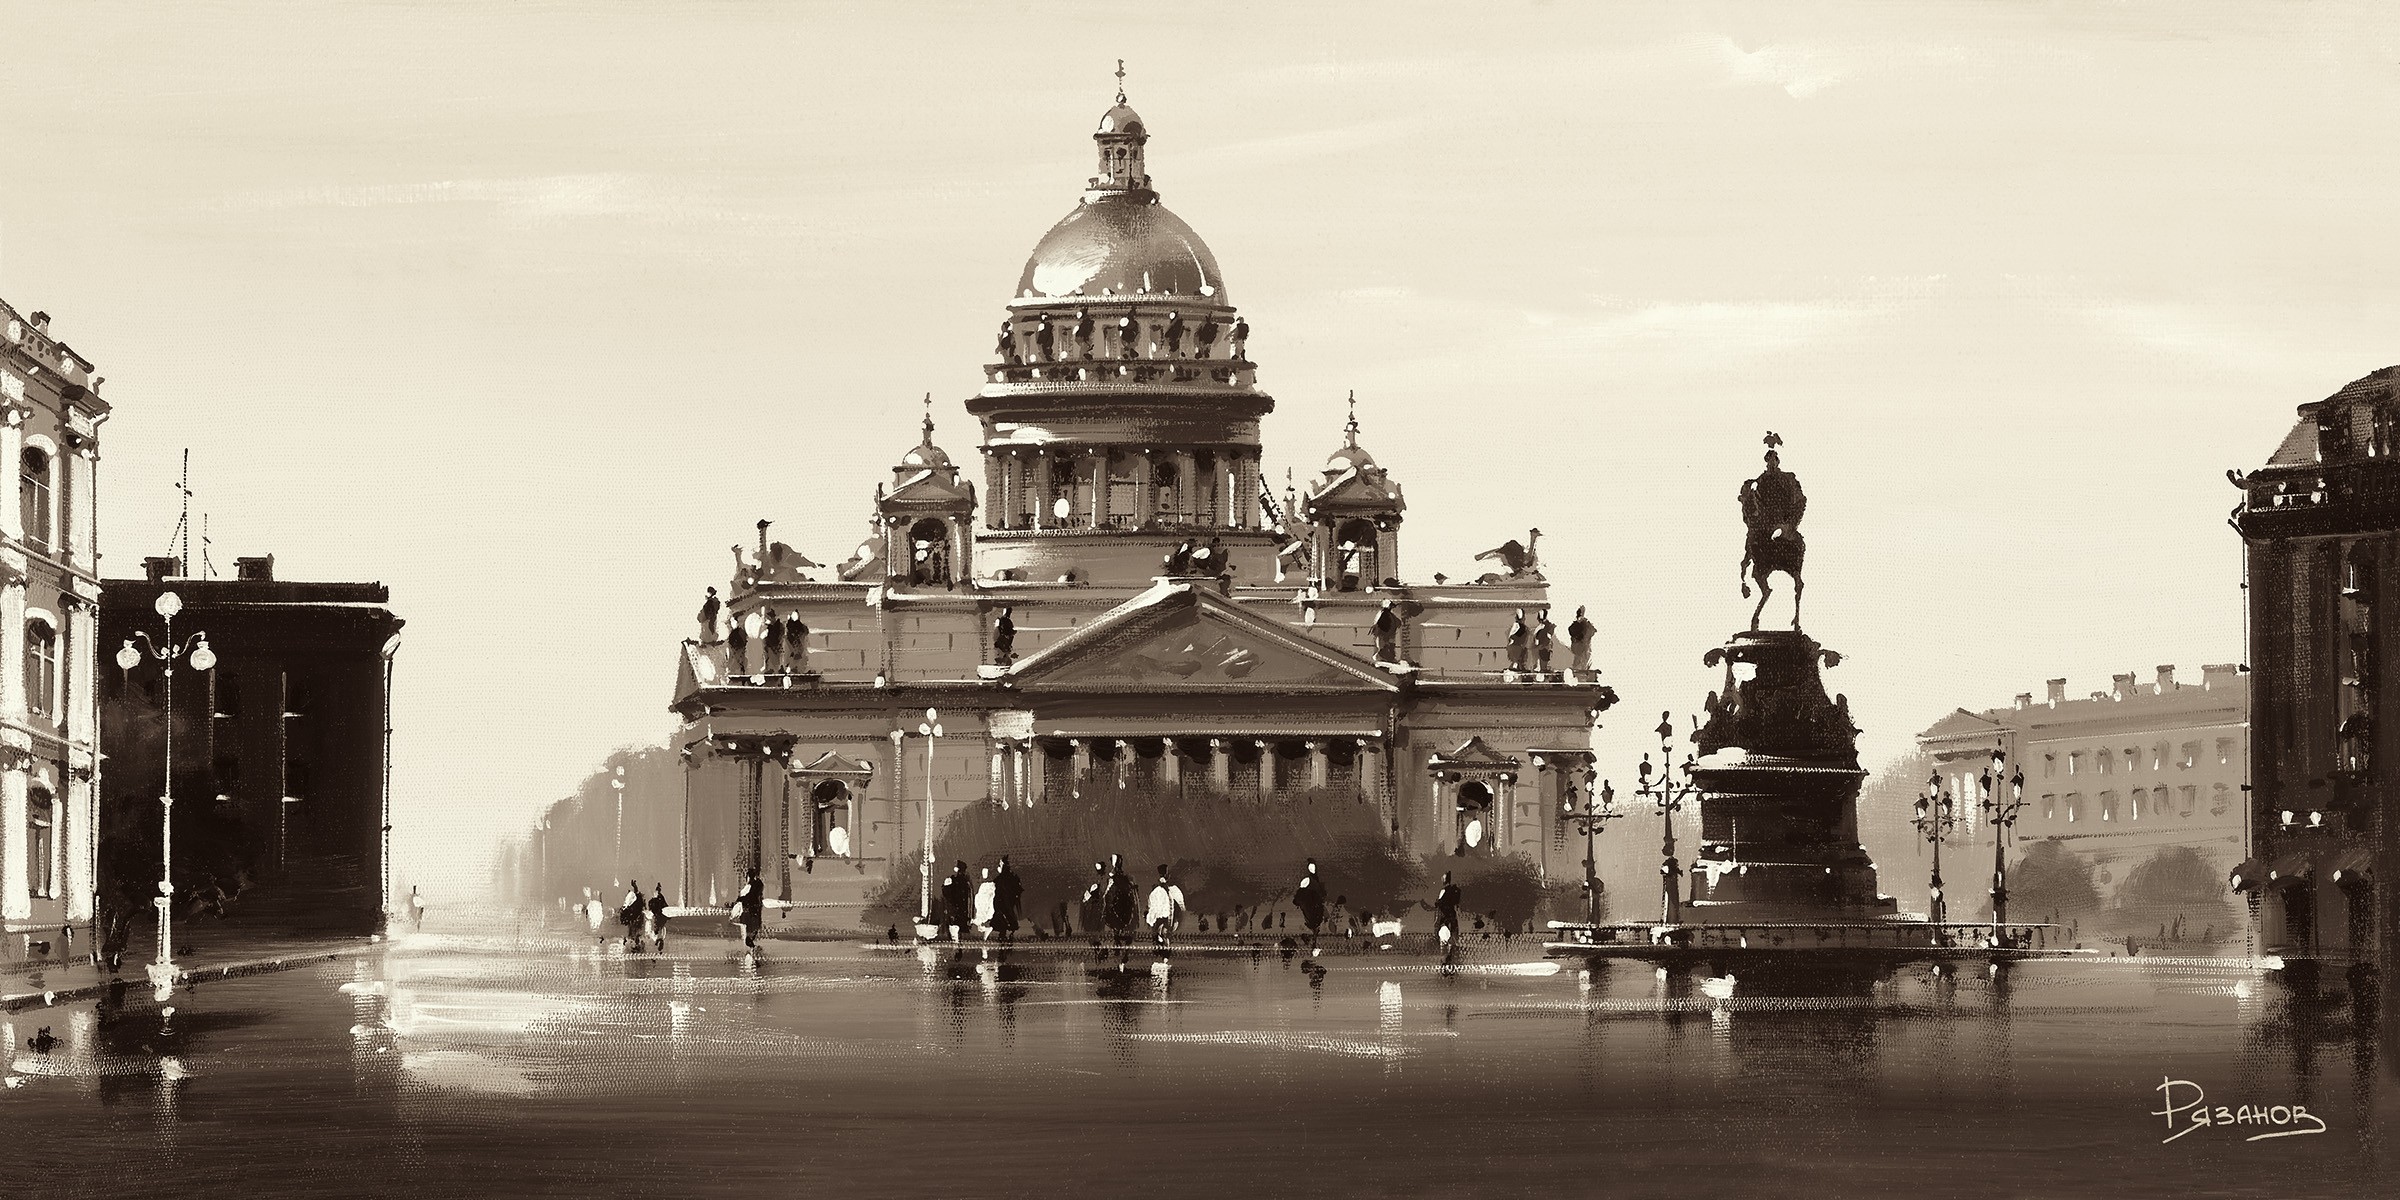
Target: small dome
[927,455]
[1121,119]
[1349,458]
[1122,245]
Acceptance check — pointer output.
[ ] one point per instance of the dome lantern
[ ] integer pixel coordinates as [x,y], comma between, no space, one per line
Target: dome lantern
[1120,138]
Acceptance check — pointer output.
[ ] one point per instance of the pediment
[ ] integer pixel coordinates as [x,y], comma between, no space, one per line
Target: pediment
[831,763]
[1359,491]
[1178,637]
[1475,752]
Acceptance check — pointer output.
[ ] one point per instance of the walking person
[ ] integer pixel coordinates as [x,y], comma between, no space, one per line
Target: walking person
[595,912]
[1008,901]
[1166,910]
[750,910]
[630,914]
[1445,925]
[658,920]
[987,903]
[416,908]
[958,899]
[1309,898]
[1117,903]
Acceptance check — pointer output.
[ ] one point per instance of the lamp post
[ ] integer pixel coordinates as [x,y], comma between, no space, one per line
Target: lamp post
[162,972]
[1936,812]
[2003,814]
[929,729]
[616,784]
[1660,787]
[1599,808]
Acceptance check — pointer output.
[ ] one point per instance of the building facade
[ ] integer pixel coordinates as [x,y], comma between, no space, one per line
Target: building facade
[2320,528]
[1112,597]
[2131,781]
[50,416]
[281,752]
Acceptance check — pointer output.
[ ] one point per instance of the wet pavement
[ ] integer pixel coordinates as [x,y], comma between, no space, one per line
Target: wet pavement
[514,1064]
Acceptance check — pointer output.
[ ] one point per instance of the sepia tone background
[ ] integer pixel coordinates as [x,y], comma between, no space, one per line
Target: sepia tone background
[531,311]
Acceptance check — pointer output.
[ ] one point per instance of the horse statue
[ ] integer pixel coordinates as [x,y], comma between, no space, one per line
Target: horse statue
[1772,506]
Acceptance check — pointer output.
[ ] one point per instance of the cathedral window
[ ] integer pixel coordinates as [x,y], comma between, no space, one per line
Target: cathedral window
[40,843]
[41,668]
[1474,818]
[929,553]
[1354,544]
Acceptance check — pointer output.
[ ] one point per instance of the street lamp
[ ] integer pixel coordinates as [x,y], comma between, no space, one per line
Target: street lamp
[2003,814]
[1936,812]
[1660,787]
[1598,810]
[929,729]
[616,783]
[162,972]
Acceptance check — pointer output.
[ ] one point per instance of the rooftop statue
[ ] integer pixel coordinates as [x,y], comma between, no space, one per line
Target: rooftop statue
[1772,506]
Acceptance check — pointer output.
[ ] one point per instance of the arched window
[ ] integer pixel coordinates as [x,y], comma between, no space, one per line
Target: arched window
[33,496]
[929,552]
[40,841]
[1354,546]
[832,819]
[41,668]
[1474,818]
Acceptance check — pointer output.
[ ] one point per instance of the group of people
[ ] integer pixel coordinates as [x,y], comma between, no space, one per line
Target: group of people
[644,919]
[993,907]
[1532,643]
[783,640]
[1201,559]
[1110,903]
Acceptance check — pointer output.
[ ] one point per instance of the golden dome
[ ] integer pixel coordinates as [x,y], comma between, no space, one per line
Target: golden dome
[1122,244]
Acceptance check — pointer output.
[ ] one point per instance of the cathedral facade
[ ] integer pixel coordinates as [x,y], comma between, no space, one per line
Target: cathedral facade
[1114,595]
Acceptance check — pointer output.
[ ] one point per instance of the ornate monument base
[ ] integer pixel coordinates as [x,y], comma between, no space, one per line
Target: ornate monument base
[1779,777]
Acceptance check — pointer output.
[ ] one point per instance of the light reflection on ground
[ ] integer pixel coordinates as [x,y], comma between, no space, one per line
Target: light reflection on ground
[482,1065]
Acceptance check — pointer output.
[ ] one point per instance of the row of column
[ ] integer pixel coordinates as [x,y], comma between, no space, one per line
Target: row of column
[1022,484]
[1019,765]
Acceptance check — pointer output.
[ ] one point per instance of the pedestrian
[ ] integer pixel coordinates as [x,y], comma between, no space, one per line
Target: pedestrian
[630,914]
[658,919]
[1089,913]
[958,899]
[987,899]
[594,912]
[416,908]
[1445,907]
[1117,902]
[750,910]
[1309,898]
[1008,902]
[1166,910]
[709,609]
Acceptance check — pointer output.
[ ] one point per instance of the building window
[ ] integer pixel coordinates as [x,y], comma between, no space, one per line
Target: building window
[299,779]
[2191,797]
[2224,751]
[1354,546]
[2075,763]
[2158,757]
[2050,806]
[2108,806]
[832,825]
[33,496]
[41,668]
[2107,762]
[2141,796]
[40,855]
[2191,756]
[2074,803]
[229,694]
[2219,802]
[2049,766]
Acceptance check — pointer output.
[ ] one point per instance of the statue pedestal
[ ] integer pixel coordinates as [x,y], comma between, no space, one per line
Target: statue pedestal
[1779,778]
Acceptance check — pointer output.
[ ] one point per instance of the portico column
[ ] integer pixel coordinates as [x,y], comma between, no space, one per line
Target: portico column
[1041,489]
[1245,498]
[1220,765]
[1366,769]
[1187,486]
[752,785]
[1170,765]
[1100,488]
[995,486]
[996,759]
[1506,799]
[1266,768]
[16,902]
[1145,490]
[81,816]
[1030,762]
[1082,768]
[782,841]
[1316,764]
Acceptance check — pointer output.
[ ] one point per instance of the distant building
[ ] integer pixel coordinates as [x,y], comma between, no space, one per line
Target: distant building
[2320,527]
[2119,778]
[50,414]
[281,751]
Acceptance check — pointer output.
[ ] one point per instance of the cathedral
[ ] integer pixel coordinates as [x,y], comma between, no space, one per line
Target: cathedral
[1118,597]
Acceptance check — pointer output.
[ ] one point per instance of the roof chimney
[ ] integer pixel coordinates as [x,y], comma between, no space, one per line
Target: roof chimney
[255,570]
[2058,692]
[2217,675]
[2122,686]
[159,568]
[2166,678]
[2024,701]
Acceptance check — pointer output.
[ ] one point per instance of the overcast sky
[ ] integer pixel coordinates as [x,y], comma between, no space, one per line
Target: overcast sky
[531,310]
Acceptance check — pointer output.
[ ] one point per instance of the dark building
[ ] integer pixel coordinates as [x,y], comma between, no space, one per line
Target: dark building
[2320,524]
[281,750]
